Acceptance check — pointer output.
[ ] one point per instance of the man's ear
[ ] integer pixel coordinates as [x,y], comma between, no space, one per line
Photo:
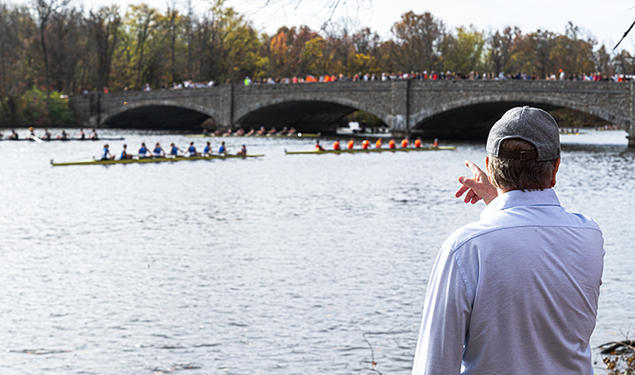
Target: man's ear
[556,165]
[489,174]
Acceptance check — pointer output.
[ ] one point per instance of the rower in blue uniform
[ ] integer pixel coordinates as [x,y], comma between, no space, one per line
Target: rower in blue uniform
[158,151]
[143,151]
[174,151]
[124,153]
[106,155]
[192,150]
[208,149]
[222,149]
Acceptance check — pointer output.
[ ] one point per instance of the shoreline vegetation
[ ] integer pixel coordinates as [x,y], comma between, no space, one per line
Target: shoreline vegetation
[619,357]
[50,50]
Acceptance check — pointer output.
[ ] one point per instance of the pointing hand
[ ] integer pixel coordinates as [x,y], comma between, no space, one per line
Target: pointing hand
[477,187]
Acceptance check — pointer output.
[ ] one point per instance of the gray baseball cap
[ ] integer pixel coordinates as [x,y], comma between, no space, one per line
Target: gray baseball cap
[529,124]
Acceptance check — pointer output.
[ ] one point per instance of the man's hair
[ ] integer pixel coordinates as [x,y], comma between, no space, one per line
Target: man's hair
[512,174]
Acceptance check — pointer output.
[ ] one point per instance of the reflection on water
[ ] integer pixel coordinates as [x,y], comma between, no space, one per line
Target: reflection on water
[278,265]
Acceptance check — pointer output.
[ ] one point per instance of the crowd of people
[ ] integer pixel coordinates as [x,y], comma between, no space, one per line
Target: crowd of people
[382,77]
[174,151]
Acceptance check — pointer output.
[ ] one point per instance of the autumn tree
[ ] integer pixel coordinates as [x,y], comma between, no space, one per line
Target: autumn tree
[418,37]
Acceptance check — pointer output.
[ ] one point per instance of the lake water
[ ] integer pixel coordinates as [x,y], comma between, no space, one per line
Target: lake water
[278,265]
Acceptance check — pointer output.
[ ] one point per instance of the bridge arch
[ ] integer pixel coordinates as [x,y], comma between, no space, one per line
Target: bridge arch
[308,115]
[159,114]
[494,106]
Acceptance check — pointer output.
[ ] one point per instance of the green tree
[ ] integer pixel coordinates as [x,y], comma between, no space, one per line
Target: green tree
[463,53]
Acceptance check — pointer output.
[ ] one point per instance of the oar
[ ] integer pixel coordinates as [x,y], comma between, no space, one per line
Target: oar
[35,138]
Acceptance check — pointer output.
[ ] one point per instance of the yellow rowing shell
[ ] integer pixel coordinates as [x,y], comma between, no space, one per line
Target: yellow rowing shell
[369,151]
[154,160]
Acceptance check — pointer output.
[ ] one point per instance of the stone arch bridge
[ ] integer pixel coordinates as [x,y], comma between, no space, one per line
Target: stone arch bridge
[450,109]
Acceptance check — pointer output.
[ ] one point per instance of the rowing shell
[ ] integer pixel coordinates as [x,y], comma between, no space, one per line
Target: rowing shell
[66,140]
[368,151]
[297,135]
[154,160]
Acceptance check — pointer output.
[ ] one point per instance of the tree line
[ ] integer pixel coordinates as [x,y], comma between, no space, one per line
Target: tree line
[51,49]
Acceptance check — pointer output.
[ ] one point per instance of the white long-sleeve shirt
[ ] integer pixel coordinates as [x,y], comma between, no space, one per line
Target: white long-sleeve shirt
[514,293]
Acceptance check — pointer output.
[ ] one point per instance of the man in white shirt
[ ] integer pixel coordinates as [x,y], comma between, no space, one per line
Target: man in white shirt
[515,292]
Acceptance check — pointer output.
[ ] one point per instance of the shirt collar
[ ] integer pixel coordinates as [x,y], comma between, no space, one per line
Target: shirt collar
[517,198]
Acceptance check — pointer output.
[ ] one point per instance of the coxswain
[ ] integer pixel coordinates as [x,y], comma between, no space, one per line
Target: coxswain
[435,144]
[124,153]
[63,136]
[365,144]
[174,151]
[106,155]
[318,147]
[336,145]
[158,151]
[350,144]
[207,150]
[13,136]
[144,152]
[222,150]
[391,144]
[243,151]
[82,135]
[47,135]
[93,135]
[192,150]
[404,143]
[417,143]
[378,143]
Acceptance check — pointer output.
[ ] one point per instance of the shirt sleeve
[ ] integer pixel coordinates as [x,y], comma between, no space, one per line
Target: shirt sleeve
[446,315]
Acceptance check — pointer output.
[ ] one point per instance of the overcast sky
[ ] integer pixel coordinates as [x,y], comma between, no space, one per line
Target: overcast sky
[606,20]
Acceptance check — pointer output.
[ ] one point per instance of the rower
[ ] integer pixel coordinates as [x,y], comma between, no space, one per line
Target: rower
[336,145]
[404,143]
[174,151]
[208,149]
[144,151]
[32,133]
[435,144]
[365,144]
[417,143]
[391,144]
[106,155]
[250,132]
[222,149]
[82,135]
[378,143]
[272,131]
[158,151]
[63,136]
[93,135]
[192,150]
[124,153]
[243,151]
[47,135]
[317,146]
[292,131]
[350,144]
[13,136]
